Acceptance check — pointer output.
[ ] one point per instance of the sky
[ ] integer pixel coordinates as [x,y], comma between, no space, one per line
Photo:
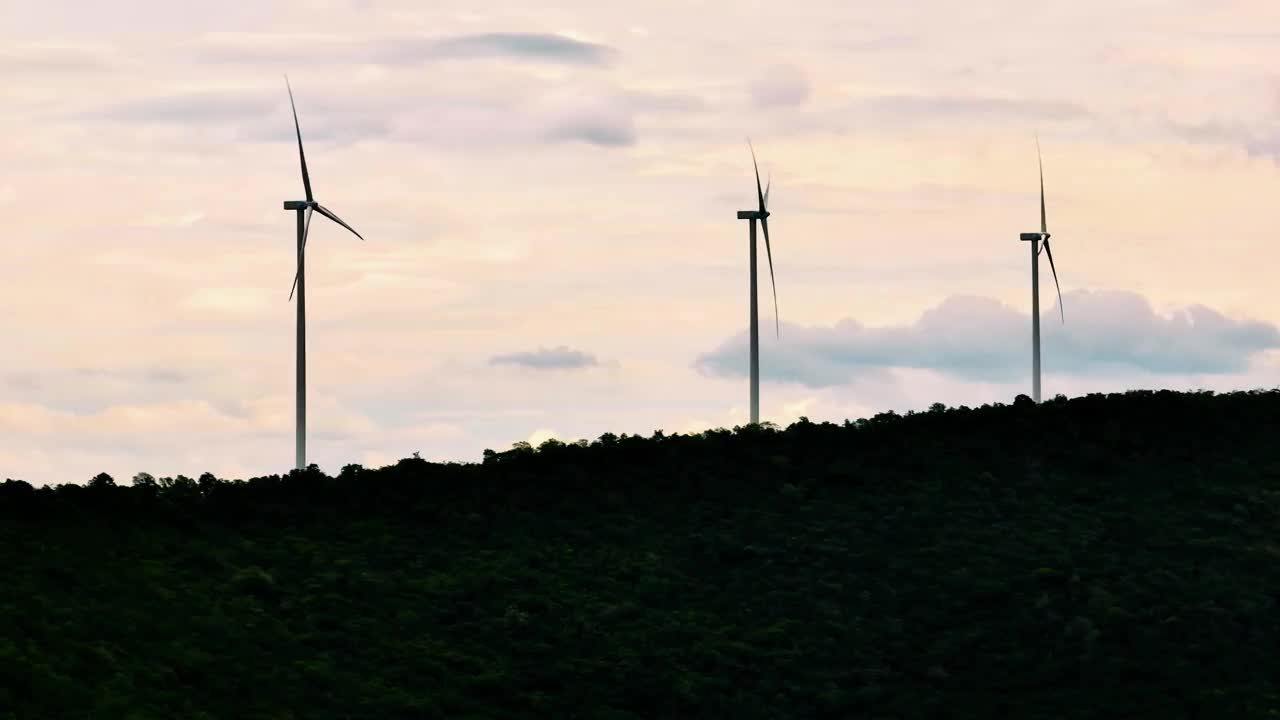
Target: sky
[548,192]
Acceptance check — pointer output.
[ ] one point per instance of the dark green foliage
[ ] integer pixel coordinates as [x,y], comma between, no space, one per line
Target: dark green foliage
[1099,557]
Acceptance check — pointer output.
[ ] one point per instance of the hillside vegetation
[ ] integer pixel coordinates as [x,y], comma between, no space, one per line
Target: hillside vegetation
[1107,556]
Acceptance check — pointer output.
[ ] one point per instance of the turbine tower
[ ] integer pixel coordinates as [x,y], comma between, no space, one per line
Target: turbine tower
[761,214]
[1039,242]
[304,208]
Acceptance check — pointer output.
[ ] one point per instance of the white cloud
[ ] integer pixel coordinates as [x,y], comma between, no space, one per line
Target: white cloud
[781,86]
[982,339]
[557,358]
[540,436]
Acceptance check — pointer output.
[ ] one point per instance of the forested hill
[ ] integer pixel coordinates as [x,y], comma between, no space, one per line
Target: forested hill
[1107,556]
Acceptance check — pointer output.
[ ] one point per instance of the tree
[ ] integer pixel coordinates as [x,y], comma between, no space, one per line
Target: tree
[102,480]
[179,484]
[145,479]
[16,488]
[206,482]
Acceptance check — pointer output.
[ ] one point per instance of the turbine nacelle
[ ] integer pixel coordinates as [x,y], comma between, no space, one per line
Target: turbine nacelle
[1034,236]
[753,215]
[298,204]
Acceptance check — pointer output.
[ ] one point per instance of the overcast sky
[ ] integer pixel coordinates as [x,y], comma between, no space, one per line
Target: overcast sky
[548,192]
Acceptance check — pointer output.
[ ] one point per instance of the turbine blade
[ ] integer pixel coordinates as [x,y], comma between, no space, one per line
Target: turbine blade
[759,191]
[1044,225]
[329,214]
[306,178]
[1049,254]
[306,230]
[764,225]
[767,184]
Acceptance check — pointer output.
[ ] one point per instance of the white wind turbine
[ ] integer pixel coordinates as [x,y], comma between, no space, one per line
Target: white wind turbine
[1039,242]
[304,208]
[760,214]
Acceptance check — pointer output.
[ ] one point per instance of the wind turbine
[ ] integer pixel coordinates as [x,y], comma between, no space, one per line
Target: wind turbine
[304,208]
[1036,239]
[762,215]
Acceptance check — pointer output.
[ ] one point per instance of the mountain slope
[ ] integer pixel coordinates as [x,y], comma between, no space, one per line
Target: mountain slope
[1108,556]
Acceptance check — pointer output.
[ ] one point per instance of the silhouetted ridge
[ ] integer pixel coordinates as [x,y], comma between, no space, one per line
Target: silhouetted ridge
[1105,556]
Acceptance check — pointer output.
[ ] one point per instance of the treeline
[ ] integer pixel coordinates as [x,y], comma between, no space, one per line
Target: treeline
[1104,556]
[1083,433]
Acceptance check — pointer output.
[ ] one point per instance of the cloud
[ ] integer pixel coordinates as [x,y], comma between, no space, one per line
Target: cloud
[594,114]
[972,106]
[604,129]
[541,435]
[560,358]
[207,108]
[781,86]
[980,338]
[258,116]
[533,46]
[86,389]
[53,58]
[399,50]
[655,103]
[150,375]
[135,421]
[286,49]
[1257,142]
[599,114]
